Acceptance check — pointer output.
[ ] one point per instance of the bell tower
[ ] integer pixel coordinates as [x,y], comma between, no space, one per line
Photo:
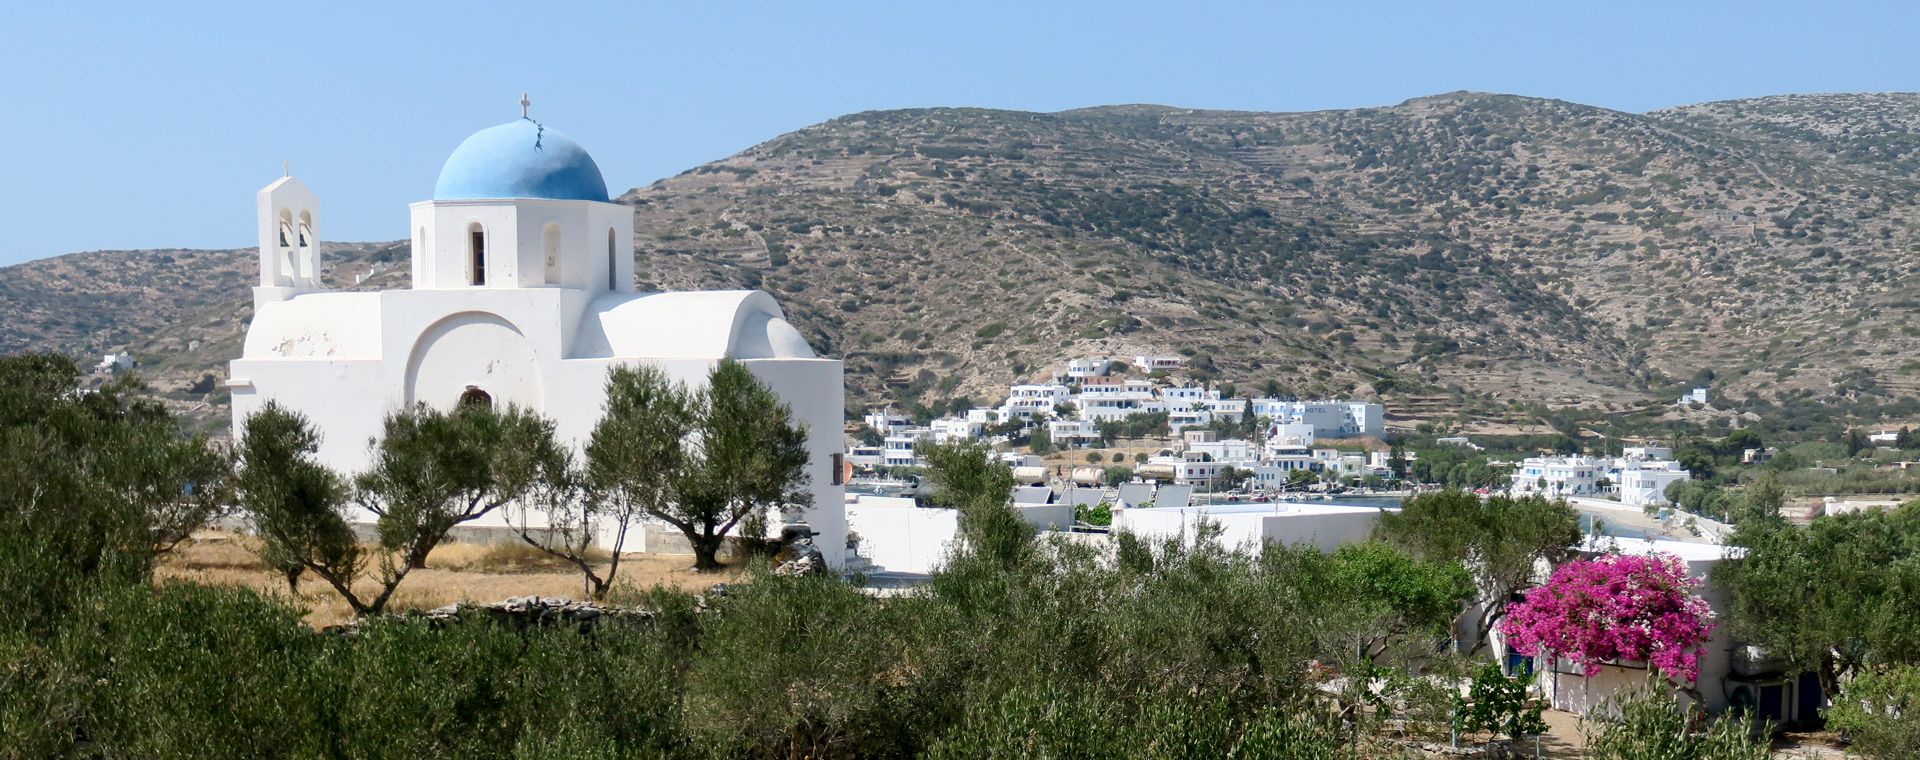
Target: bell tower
[289,245]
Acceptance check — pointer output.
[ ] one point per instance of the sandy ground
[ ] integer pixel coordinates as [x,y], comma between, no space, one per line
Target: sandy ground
[454,573]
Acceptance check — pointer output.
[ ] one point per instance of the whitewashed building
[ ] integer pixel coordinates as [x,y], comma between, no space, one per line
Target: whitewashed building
[1028,402]
[901,449]
[116,362]
[1073,432]
[522,292]
[955,429]
[1080,369]
[1330,419]
[887,420]
[1158,363]
[1237,451]
[1644,484]
[1559,476]
[1115,406]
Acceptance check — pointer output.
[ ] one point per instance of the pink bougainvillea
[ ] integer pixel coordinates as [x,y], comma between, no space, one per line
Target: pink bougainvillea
[1615,607]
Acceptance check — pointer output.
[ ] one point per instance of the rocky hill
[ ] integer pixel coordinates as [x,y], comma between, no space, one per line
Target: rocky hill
[1458,252]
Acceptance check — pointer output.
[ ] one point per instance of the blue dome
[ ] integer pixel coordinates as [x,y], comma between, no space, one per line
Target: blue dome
[520,159]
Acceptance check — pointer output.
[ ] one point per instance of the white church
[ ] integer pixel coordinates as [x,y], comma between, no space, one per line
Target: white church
[522,292]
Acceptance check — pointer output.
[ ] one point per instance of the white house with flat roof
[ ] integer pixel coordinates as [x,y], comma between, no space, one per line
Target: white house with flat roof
[1115,406]
[1158,363]
[886,420]
[1073,432]
[1559,476]
[521,292]
[954,429]
[1644,483]
[1330,419]
[1234,450]
[1080,369]
[1028,402]
[901,449]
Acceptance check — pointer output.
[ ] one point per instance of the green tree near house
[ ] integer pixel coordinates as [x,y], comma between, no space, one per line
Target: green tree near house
[634,458]
[1835,597]
[748,458]
[432,470]
[1499,539]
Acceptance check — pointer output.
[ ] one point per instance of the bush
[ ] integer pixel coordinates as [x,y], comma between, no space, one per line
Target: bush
[1880,711]
[1649,724]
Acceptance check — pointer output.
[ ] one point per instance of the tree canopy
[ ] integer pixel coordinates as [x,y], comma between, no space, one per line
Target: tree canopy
[1831,597]
[1499,539]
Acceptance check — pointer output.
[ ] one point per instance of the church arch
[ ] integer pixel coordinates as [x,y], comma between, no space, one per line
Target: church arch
[473,351]
[476,255]
[550,243]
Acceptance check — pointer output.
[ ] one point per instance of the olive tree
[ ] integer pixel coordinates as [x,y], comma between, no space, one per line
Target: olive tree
[635,458]
[297,505]
[965,477]
[1833,597]
[1499,539]
[432,470]
[743,456]
[93,485]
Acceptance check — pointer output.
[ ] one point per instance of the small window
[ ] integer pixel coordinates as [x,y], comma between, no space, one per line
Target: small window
[613,272]
[551,243]
[477,248]
[839,469]
[474,398]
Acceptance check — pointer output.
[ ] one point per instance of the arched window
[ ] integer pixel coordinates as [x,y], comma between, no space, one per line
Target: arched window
[309,260]
[551,242]
[474,398]
[613,272]
[477,255]
[285,259]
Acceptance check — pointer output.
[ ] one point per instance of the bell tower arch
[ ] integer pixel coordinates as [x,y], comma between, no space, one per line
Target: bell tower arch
[289,240]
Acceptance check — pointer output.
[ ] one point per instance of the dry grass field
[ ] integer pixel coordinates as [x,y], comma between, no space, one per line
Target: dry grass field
[454,573]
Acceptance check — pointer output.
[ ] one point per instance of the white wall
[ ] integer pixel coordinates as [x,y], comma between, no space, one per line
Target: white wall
[898,537]
[1325,528]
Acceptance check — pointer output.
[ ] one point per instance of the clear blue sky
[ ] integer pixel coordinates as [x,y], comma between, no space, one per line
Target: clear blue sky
[139,125]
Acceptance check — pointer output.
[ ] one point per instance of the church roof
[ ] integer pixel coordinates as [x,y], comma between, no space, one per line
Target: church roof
[520,159]
[735,324]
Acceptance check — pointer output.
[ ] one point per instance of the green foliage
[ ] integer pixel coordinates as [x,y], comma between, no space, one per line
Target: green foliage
[1831,597]
[1649,724]
[1042,443]
[1879,711]
[965,476]
[1100,514]
[434,469]
[94,485]
[1499,538]
[635,458]
[297,506]
[1410,596]
[1500,706]
[1455,467]
[1149,425]
[749,457]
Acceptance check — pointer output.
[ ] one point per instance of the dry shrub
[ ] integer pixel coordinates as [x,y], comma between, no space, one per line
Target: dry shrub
[502,557]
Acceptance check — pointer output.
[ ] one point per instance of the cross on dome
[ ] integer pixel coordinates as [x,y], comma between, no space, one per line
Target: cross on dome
[523,105]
